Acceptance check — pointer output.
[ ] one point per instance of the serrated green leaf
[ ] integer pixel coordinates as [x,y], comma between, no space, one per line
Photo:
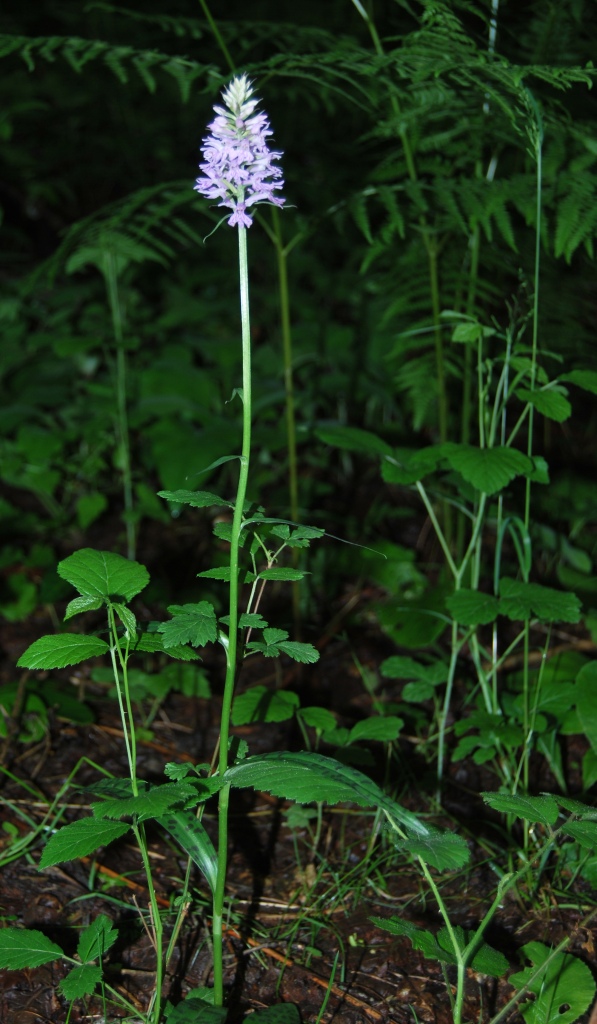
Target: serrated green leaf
[250,620]
[25,947]
[152,643]
[258,704]
[353,439]
[197,499]
[522,601]
[486,959]
[222,573]
[585,688]
[398,666]
[543,809]
[306,777]
[445,851]
[151,804]
[82,604]
[195,1010]
[406,467]
[563,990]
[586,379]
[81,838]
[96,939]
[306,654]
[127,618]
[80,982]
[103,574]
[585,833]
[62,650]
[317,718]
[472,607]
[282,574]
[381,729]
[191,836]
[191,623]
[273,635]
[488,469]
[552,404]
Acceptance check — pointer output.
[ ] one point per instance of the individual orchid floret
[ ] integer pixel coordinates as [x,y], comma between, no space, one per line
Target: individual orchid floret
[238,167]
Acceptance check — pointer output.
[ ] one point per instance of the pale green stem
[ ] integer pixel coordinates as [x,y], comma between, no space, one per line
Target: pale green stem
[527,506]
[111,277]
[231,654]
[287,351]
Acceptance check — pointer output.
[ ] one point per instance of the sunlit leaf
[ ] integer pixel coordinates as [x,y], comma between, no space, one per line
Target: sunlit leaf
[191,624]
[488,469]
[562,991]
[197,499]
[81,981]
[552,403]
[543,809]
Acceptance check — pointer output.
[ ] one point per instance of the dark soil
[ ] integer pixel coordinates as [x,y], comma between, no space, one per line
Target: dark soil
[293,908]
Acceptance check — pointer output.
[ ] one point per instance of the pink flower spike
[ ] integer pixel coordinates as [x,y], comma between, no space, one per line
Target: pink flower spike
[238,165]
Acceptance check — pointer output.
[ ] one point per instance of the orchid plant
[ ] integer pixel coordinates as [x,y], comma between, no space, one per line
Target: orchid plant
[240,171]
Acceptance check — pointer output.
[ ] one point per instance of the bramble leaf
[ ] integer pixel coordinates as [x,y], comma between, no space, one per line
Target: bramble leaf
[543,809]
[191,624]
[258,704]
[96,939]
[25,947]
[81,838]
[103,574]
[383,729]
[552,404]
[488,469]
[82,604]
[523,601]
[62,650]
[197,499]
[472,607]
[80,982]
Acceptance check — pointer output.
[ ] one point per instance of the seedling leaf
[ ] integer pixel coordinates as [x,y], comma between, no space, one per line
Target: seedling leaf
[81,838]
[62,650]
[565,982]
[25,947]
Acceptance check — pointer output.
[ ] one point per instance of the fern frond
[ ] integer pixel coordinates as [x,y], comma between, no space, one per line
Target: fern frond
[79,52]
[167,23]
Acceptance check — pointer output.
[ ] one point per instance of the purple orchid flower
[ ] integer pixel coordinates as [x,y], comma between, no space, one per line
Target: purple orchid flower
[238,167]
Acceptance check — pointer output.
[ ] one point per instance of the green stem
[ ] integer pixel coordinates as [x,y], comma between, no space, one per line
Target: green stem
[111,277]
[218,36]
[231,654]
[281,255]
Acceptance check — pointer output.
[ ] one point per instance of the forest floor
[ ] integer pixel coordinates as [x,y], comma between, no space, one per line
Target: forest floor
[298,924]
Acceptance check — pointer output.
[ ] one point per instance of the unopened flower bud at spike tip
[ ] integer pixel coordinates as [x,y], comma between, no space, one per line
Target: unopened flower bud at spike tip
[238,165]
